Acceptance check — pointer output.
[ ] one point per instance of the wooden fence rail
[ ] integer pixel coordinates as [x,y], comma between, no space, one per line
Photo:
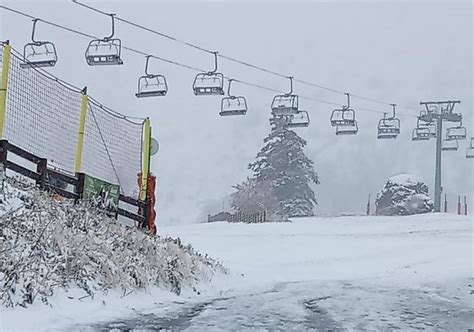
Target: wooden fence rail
[47,179]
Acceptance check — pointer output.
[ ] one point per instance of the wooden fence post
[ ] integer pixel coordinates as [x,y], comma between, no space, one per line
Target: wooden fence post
[42,170]
[3,153]
[80,185]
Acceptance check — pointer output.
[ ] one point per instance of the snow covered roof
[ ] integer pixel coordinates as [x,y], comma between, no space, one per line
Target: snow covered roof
[404,179]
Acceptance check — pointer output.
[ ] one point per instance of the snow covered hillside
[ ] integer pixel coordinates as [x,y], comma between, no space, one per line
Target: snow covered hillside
[344,273]
[373,273]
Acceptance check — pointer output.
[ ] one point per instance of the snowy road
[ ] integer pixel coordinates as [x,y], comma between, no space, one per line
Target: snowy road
[352,273]
[335,306]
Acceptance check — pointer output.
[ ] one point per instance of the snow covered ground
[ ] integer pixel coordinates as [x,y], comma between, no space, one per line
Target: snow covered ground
[345,273]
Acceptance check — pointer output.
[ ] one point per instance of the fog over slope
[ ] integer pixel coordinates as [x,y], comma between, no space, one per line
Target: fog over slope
[400,52]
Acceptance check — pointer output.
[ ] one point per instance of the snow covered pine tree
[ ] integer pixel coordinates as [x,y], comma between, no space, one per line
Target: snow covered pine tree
[282,177]
[403,194]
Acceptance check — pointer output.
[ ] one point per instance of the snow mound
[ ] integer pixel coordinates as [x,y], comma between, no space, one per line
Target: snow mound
[404,179]
[47,245]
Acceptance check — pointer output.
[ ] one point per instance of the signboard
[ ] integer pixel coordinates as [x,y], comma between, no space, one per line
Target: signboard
[154,146]
[101,192]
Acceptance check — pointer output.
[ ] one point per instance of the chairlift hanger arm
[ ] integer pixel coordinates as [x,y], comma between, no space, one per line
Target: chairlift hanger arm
[35,20]
[348,99]
[112,16]
[291,85]
[215,63]
[146,64]
[393,110]
[228,88]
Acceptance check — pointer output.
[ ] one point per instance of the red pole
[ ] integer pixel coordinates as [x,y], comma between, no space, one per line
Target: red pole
[465,206]
[445,203]
[459,204]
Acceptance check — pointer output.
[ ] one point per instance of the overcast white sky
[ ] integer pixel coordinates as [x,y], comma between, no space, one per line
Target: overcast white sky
[399,51]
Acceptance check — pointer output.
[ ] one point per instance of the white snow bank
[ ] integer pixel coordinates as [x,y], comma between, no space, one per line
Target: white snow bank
[404,179]
[415,249]
[48,245]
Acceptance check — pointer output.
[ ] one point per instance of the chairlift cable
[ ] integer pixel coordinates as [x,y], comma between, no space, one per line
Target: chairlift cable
[244,63]
[143,53]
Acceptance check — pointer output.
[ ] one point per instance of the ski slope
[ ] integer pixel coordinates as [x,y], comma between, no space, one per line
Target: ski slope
[339,273]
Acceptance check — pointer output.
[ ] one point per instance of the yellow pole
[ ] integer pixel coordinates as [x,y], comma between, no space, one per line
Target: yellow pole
[146,159]
[82,129]
[4,86]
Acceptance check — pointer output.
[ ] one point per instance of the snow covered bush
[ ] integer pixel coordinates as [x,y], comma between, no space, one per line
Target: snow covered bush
[47,244]
[403,194]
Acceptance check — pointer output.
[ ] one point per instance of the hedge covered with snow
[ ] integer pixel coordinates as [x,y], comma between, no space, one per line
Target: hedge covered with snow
[403,195]
[47,244]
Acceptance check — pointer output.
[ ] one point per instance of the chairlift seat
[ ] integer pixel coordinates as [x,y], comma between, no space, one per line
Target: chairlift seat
[151,86]
[104,52]
[208,84]
[347,129]
[233,105]
[421,134]
[39,54]
[456,133]
[299,120]
[343,117]
[470,153]
[285,105]
[388,128]
[428,129]
[449,145]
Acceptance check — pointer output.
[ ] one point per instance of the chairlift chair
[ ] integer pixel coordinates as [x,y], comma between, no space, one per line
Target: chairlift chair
[344,116]
[347,129]
[470,149]
[210,83]
[299,120]
[457,133]
[388,127]
[39,53]
[286,104]
[449,145]
[151,85]
[105,51]
[233,105]
[421,134]
[430,126]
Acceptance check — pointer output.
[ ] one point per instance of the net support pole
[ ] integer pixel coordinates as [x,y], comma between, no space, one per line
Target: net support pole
[80,134]
[4,85]
[146,159]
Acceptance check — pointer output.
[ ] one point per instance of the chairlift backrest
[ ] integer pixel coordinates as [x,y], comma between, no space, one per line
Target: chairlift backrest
[449,145]
[421,134]
[470,149]
[233,105]
[105,51]
[456,133]
[208,84]
[286,104]
[301,119]
[151,85]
